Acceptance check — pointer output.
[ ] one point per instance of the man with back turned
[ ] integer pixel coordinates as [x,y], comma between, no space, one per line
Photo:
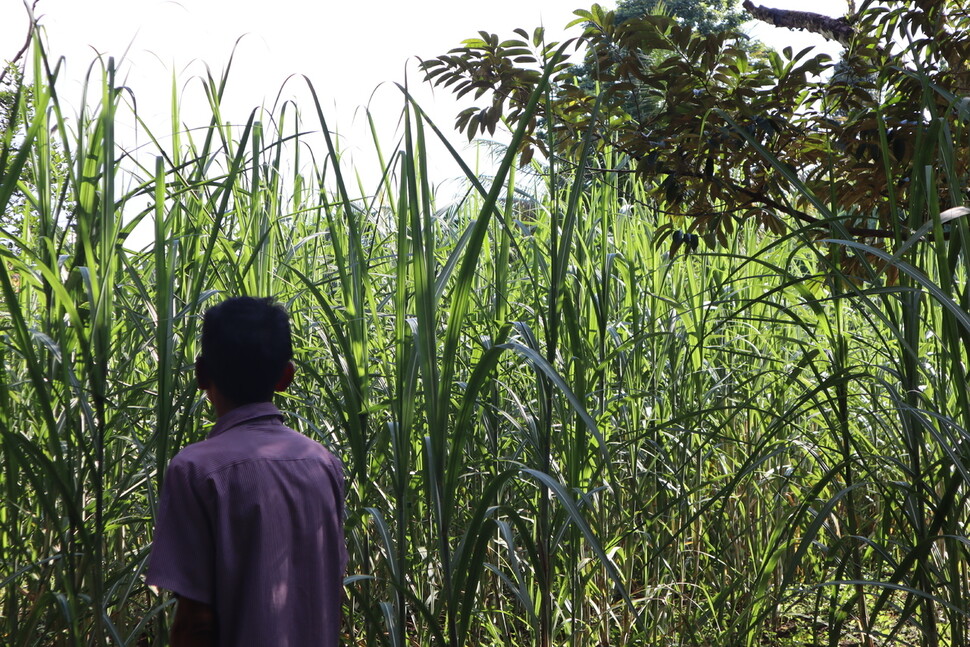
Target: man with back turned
[249,534]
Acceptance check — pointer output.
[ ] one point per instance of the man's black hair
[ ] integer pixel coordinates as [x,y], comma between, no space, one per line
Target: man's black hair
[245,347]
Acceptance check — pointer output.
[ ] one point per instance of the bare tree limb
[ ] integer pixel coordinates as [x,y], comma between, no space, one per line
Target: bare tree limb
[837,29]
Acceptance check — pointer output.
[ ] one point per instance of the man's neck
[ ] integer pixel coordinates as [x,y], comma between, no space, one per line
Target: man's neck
[220,403]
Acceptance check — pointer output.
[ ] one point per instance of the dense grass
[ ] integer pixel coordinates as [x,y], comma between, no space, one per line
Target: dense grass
[555,431]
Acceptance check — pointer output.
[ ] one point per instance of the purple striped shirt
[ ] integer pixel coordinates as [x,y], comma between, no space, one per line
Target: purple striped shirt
[251,522]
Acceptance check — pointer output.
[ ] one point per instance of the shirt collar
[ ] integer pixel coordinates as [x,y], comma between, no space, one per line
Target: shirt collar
[245,413]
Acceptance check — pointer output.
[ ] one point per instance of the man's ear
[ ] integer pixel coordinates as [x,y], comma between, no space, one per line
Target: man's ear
[201,375]
[286,378]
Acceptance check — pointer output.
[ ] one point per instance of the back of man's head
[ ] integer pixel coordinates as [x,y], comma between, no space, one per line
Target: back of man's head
[246,346]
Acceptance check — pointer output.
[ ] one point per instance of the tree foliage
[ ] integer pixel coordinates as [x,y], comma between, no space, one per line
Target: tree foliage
[16,113]
[705,16]
[733,131]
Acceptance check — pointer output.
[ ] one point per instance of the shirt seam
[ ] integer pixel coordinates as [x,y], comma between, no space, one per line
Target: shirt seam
[248,423]
[257,459]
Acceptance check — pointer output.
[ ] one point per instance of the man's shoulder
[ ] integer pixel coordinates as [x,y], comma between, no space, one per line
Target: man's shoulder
[193,459]
[302,446]
[244,445]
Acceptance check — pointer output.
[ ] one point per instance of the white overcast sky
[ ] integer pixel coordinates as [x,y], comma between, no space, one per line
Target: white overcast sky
[346,48]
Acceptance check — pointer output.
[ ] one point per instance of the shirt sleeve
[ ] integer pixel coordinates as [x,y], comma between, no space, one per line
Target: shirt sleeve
[183,551]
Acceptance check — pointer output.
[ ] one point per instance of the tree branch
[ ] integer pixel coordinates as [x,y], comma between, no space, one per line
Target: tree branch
[837,29]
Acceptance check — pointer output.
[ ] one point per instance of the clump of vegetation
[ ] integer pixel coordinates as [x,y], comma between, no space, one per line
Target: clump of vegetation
[557,429]
[719,135]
